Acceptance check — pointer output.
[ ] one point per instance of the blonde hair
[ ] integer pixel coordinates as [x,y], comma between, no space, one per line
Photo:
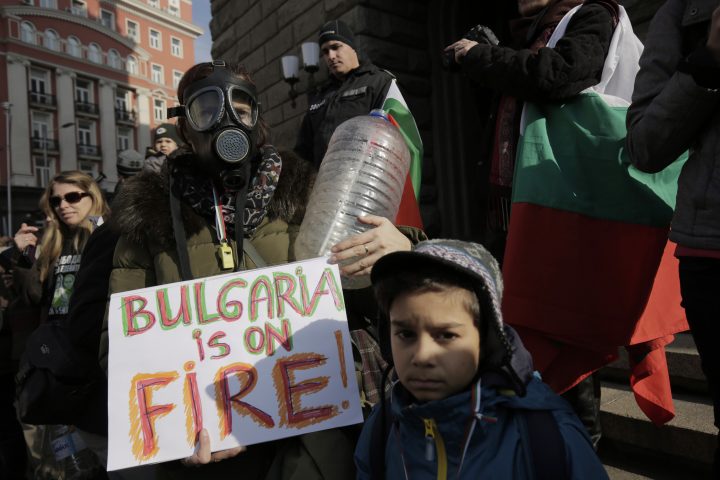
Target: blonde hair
[56,231]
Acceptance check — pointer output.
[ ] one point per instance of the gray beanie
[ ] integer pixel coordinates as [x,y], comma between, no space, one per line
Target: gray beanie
[129,162]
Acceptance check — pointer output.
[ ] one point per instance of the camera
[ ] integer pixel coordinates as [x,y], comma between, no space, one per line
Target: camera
[478,33]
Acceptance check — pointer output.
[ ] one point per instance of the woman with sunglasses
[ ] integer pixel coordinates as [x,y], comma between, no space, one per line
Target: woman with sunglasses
[72,204]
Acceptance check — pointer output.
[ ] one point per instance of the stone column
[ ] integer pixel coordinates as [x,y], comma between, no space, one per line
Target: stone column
[67,136]
[108,132]
[17,81]
[143,108]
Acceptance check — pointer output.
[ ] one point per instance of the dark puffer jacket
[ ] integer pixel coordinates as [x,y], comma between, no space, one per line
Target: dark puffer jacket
[671,113]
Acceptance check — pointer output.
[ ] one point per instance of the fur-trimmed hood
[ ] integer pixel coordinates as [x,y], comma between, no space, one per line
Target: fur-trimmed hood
[141,210]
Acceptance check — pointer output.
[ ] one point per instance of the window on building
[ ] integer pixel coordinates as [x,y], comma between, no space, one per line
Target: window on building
[41,127]
[90,168]
[124,138]
[122,100]
[159,110]
[107,19]
[132,65]
[83,91]
[44,170]
[132,30]
[114,59]
[52,40]
[176,78]
[79,8]
[74,47]
[40,87]
[176,47]
[48,3]
[94,53]
[154,3]
[28,34]
[155,39]
[174,7]
[86,133]
[39,81]
[157,73]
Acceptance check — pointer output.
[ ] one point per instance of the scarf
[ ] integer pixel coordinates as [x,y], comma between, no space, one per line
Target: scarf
[198,193]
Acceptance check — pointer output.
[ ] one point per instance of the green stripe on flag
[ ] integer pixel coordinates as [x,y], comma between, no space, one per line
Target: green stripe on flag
[395,105]
[563,163]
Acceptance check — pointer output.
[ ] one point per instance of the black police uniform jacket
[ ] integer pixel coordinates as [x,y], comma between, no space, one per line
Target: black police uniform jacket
[362,90]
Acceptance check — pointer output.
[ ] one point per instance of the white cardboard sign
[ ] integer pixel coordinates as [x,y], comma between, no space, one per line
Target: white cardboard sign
[251,356]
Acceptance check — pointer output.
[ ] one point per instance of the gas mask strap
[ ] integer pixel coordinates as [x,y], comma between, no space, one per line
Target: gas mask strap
[240,199]
[179,231]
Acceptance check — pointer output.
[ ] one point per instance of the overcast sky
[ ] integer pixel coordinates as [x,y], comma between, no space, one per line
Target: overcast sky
[201,18]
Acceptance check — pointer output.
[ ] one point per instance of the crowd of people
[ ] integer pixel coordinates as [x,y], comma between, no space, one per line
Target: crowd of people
[450,388]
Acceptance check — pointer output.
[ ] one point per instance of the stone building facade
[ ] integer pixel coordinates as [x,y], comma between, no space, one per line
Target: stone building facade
[405,37]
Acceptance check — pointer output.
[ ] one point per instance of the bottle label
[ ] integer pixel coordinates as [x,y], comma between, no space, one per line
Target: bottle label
[63,447]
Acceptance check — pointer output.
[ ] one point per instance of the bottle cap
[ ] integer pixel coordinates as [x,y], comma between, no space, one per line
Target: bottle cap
[377,112]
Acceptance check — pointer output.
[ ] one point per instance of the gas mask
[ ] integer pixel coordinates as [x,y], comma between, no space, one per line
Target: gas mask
[221,112]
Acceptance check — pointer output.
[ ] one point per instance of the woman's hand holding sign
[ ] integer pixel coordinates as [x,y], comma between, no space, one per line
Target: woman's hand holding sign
[203,455]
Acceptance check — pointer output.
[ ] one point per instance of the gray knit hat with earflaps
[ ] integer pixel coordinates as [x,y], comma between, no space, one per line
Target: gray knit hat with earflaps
[472,262]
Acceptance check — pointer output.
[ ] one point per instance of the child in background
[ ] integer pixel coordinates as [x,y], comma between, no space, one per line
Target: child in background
[165,141]
[466,403]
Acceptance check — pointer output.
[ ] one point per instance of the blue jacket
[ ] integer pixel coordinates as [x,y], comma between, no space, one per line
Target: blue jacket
[424,437]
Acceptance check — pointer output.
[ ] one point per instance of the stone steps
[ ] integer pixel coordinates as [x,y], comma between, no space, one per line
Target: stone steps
[633,448]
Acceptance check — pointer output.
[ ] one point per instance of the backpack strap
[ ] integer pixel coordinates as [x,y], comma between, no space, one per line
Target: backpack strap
[179,231]
[380,432]
[545,444]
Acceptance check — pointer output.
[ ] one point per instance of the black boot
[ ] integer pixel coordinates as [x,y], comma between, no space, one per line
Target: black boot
[585,400]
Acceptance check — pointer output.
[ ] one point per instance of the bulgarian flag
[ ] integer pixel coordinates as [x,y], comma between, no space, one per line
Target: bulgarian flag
[587,266]
[397,110]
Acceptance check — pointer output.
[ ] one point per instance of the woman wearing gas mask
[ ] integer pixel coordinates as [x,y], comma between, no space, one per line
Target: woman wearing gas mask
[222,205]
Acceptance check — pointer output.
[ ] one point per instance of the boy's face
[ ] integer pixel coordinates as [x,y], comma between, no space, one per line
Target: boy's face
[165,146]
[435,343]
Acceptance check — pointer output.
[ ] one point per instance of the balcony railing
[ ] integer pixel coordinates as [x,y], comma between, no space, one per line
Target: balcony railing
[80,11]
[88,150]
[86,107]
[126,116]
[44,99]
[46,144]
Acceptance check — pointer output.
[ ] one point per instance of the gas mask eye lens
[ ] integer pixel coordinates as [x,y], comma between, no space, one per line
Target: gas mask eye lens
[205,109]
[244,107]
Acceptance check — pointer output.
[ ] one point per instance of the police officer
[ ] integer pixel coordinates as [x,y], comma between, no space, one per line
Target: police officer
[355,87]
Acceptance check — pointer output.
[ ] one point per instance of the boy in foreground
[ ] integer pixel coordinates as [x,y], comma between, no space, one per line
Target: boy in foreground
[466,403]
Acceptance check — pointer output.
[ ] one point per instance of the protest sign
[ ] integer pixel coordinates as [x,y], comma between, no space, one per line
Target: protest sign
[251,356]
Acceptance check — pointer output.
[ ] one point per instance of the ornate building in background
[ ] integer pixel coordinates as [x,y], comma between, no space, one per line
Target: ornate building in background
[81,80]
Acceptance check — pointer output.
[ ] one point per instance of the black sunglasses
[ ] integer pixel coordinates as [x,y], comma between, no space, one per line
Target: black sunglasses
[72,197]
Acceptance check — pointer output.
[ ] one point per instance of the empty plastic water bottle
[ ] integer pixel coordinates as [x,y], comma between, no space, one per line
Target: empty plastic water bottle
[363,172]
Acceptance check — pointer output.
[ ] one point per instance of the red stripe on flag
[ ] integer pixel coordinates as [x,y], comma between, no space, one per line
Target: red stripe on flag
[577,288]
[576,277]
[409,212]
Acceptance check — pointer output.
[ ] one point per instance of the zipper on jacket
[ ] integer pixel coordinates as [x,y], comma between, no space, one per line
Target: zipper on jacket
[434,443]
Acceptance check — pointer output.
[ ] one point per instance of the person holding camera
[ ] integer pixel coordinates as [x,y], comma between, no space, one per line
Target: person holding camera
[525,69]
